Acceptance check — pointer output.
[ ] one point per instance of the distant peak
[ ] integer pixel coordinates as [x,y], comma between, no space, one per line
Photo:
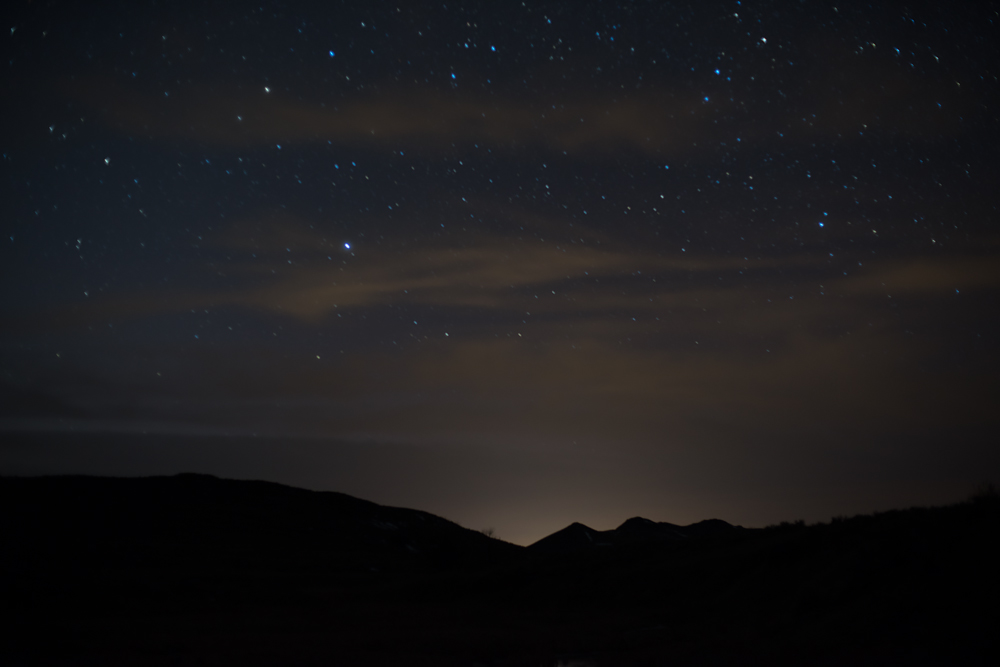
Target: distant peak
[719,523]
[576,525]
[572,537]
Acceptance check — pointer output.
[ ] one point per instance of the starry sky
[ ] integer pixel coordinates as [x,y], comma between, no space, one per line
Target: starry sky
[517,264]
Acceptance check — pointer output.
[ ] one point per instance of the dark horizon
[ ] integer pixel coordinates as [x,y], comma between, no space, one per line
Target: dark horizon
[516,266]
[402,476]
[194,569]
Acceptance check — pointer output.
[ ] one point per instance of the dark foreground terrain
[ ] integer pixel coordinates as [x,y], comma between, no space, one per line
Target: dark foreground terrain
[195,570]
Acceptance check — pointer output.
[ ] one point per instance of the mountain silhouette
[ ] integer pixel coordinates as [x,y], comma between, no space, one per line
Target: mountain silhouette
[196,570]
[201,521]
[636,530]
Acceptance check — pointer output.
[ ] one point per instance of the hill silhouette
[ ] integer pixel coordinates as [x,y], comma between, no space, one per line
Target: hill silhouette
[637,530]
[201,521]
[197,570]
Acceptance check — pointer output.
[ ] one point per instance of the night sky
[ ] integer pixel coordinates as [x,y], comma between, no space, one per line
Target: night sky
[516,264]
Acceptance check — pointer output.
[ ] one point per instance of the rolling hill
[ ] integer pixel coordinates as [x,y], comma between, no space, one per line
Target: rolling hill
[197,570]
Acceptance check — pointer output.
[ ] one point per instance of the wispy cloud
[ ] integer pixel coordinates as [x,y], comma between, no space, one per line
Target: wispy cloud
[304,274]
[620,342]
[657,120]
[243,118]
[926,276]
[502,273]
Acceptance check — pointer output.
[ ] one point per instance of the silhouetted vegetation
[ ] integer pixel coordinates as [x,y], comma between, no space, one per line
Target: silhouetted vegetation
[200,571]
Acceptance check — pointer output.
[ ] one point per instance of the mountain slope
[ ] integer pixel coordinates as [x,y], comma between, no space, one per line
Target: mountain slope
[200,571]
[204,523]
[637,530]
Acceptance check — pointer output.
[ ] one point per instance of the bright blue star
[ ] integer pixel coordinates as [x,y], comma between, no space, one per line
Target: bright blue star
[347,246]
[331,54]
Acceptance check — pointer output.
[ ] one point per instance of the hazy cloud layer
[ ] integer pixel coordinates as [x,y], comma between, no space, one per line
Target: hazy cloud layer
[572,341]
[656,118]
[514,273]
